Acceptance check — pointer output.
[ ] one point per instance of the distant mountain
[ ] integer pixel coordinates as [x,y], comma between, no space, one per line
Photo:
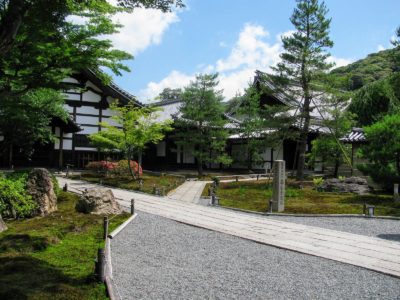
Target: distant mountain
[374,67]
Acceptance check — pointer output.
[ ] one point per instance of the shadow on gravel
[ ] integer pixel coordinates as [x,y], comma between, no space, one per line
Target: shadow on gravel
[391,237]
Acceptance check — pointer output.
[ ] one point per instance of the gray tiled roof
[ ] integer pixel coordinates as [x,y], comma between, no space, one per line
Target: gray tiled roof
[355,136]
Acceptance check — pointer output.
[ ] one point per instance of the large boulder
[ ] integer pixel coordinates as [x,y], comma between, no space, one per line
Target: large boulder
[356,185]
[98,201]
[3,225]
[40,187]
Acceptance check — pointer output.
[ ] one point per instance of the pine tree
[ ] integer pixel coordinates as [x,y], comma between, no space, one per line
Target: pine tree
[201,124]
[304,64]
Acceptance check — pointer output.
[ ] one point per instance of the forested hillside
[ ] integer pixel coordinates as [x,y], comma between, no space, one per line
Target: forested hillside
[374,67]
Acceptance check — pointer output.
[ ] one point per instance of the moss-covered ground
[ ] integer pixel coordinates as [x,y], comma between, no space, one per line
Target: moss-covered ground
[53,257]
[164,183]
[255,196]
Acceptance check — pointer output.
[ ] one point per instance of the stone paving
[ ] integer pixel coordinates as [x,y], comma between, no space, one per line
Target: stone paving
[189,191]
[367,252]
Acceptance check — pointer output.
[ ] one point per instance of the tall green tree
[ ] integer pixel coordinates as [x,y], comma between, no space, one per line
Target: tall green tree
[201,123]
[137,127]
[262,126]
[14,14]
[304,63]
[375,100]
[26,121]
[383,151]
[327,147]
[40,45]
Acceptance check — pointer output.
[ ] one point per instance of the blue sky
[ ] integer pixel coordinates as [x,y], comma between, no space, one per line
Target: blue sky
[236,37]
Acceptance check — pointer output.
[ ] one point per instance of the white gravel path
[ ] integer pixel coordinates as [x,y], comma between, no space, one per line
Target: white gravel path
[157,258]
[381,228]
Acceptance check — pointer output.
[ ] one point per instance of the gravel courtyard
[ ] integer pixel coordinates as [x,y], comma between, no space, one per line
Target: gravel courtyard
[380,228]
[157,258]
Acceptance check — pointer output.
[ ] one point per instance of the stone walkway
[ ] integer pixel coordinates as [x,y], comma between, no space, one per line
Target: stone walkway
[367,252]
[189,191]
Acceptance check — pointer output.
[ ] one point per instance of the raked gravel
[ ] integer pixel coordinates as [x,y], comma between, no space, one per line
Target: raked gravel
[157,258]
[381,228]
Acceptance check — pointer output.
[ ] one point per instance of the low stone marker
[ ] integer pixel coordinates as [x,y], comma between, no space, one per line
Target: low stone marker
[40,187]
[3,225]
[278,191]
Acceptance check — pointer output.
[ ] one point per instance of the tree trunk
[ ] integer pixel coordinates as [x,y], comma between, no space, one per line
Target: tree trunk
[140,154]
[129,164]
[303,140]
[200,166]
[10,24]
[336,170]
[10,156]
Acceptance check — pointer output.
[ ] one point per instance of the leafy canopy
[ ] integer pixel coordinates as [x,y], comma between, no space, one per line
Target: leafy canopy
[383,151]
[136,128]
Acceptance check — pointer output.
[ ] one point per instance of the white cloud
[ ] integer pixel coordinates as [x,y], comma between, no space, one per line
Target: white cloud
[142,28]
[174,80]
[381,48]
[339,62]
[251,51]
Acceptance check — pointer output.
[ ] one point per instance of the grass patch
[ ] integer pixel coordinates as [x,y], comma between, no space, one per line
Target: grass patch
[255,195]
[165,182]
[53,257]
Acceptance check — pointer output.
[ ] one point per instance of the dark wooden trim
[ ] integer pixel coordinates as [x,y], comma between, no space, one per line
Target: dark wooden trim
[71,93]
[78,103]
[87,115]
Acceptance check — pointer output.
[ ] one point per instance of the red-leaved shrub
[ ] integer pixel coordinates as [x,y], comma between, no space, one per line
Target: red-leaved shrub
[102,165]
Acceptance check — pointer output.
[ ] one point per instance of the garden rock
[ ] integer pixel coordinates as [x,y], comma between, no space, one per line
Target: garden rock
[40,187]
[3,225]
[356,185]
[99,202]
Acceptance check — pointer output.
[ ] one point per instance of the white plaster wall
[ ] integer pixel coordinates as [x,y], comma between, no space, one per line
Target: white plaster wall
[67,144]
[74,97]
[68,108]
[88,130]
[67,135]
[87,120]
[89,96]
[87,110]
[70,80]
[92,85]
[107,112]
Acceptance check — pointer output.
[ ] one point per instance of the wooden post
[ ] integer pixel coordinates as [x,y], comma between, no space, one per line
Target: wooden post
[100,265]
[132,206]
[237,178]
[105,228]
[396,196]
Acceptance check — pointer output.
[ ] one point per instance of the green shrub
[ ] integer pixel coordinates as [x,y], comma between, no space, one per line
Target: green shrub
[14,200]
[318,181]
[56,186]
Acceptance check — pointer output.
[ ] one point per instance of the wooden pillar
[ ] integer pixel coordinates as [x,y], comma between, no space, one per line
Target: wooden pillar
[60,154]
[352,159]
